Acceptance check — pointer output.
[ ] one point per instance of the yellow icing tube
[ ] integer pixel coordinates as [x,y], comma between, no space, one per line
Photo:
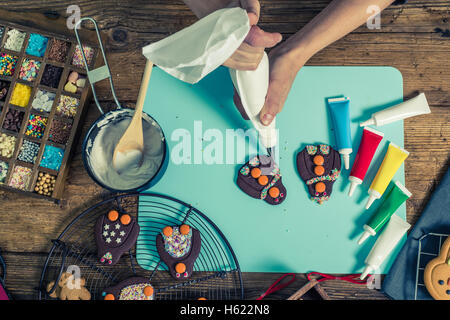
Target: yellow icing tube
[391,163]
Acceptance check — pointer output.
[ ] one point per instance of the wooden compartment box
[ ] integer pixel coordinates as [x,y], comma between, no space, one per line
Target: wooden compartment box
[19,172]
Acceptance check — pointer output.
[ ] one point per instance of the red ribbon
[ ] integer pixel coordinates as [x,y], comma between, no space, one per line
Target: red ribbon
[276,286]
[353,278]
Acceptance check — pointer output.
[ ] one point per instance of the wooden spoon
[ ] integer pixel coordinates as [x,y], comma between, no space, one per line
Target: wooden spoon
[129,150]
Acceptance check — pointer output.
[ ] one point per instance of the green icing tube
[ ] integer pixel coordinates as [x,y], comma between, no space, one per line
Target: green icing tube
[392,202]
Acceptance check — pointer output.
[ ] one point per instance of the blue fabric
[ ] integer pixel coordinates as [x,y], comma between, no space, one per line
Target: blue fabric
[400,282]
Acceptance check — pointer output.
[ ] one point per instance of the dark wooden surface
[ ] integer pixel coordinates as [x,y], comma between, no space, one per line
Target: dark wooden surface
[415,38]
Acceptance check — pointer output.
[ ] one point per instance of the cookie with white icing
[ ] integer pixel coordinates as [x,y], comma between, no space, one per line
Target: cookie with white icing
[115,234]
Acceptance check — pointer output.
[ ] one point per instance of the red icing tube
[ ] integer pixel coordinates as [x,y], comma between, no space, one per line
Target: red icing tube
[369,143]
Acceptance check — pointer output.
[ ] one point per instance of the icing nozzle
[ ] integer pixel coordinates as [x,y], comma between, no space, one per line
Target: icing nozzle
[369,122]
[368,269]
[364,237]
[352,189]
[372,198]
[346,158]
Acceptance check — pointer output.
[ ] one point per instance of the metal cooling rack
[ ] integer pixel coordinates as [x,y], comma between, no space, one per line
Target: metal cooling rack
[426,256]
[216,273]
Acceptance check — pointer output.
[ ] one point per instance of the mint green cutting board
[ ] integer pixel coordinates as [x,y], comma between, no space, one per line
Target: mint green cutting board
[298,235]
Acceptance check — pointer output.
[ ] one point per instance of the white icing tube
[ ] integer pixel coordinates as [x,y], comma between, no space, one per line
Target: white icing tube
[252,88]
[384,245]
[413,107]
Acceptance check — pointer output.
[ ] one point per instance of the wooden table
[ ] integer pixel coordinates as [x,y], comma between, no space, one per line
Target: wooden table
[415,38]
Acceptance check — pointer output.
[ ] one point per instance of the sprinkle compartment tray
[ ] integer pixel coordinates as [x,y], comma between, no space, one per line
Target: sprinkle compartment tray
[43,93]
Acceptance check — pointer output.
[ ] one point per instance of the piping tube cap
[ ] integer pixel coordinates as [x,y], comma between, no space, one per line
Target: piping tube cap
[364,237]
[352,189]
[372,198]
[368,269]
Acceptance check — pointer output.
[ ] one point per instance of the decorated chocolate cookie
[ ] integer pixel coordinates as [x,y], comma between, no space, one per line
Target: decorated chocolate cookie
[135,288]
[437,274]
[260,178]
[319,167]
[114,235]
[179,247]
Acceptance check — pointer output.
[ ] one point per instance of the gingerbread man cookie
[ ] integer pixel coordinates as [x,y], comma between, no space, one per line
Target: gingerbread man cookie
[260,178]
[74,291]
[115,234]
[319,167]
[135,288]
[437,274]
[179,247]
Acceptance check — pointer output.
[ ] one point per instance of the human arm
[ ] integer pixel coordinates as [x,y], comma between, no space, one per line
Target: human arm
[249,53]
[339,18]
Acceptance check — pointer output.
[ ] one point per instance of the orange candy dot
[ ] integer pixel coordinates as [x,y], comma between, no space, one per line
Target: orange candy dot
[110,296]
[320,187]
[167,231]
[263,180]
[113,215]
[125,219]
[184,229]
[180,268]
[274,192]
[148,291]
[256,173]
[318,160]
[319,170]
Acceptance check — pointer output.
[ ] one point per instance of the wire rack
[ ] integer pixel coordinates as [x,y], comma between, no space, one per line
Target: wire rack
[216,273]
[429,248]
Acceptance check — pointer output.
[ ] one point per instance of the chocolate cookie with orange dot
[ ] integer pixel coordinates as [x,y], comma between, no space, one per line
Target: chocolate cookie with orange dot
[319,166]
[260,178]
[134,288]
[179,247]
[115,234]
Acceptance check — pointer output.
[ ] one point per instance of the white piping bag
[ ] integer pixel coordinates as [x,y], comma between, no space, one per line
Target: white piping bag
[192,53]
[252,88]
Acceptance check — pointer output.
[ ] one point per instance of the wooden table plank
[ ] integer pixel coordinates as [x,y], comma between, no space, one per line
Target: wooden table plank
[412,38]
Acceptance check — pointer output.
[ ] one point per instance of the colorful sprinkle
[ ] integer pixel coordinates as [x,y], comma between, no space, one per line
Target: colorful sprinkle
[7,145]
[43,101]
[29,69]
[77,59]
[15,40]
[177,244]
[52,157]
[28,151]
[3,171]
[21,95]
[36,126]
[7,64]
[67,106]
[37,45]
[20,177]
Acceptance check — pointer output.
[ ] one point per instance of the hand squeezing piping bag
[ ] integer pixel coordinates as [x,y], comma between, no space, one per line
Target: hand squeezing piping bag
[252,89]
[192,53]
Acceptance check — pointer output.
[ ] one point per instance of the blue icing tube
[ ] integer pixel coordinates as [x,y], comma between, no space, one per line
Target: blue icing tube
[340,115]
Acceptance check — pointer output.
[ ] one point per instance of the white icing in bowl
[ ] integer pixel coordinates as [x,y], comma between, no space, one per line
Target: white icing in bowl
[100,149]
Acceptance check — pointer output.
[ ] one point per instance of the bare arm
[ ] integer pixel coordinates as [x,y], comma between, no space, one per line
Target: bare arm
[250,53]
[339,18]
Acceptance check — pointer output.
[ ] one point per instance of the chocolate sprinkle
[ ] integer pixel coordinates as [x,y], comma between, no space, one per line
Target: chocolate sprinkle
[60,131]
[58,50]
[13,120]
[51,76]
